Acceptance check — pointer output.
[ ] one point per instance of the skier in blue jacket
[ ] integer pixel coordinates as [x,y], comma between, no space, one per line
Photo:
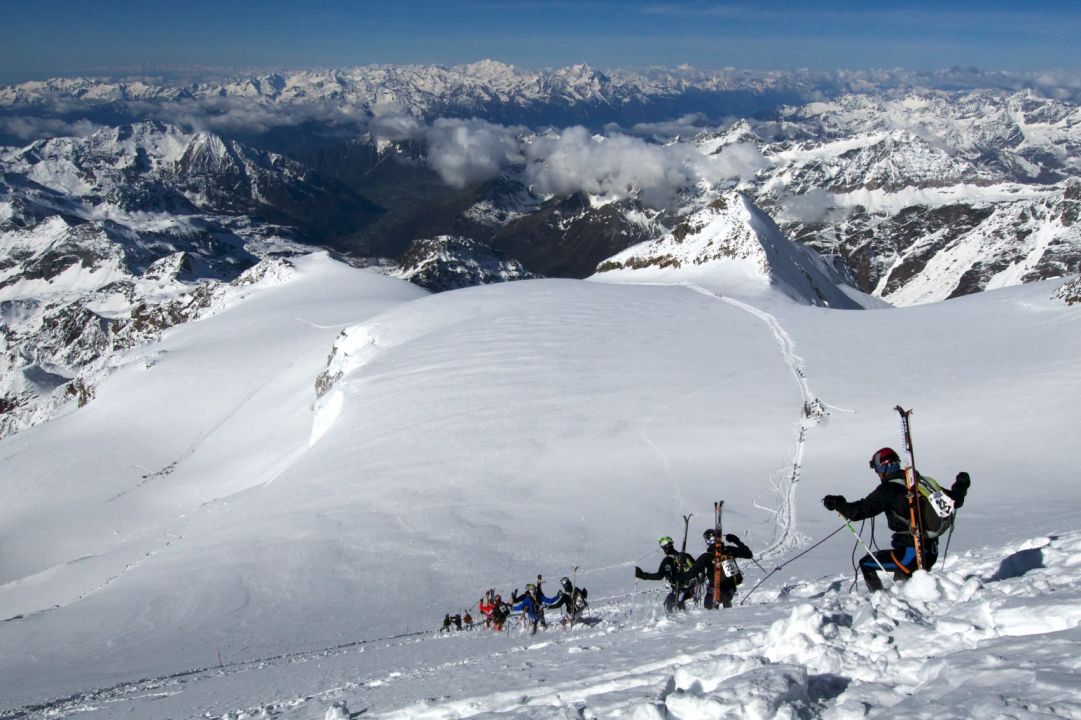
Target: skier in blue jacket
[531,605]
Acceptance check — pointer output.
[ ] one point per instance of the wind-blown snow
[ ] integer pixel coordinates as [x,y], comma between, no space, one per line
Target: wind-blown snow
[475,438]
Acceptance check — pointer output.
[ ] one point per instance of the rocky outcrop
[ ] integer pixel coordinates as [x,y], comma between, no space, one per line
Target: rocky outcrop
[450,263]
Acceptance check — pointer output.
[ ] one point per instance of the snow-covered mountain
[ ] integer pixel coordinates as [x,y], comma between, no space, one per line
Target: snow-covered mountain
[108,240]
[126,172]
[731,244]
[911,195]
[211,537]
[926,195]
[492,90]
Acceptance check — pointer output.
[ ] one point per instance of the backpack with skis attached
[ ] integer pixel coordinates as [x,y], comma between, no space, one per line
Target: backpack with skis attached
[936,508]
[931,511]
[724,566]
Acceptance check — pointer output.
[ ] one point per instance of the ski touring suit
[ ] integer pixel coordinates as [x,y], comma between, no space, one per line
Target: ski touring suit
[702,570]
[673,568]
[571,599]
[531,605]
[890,497]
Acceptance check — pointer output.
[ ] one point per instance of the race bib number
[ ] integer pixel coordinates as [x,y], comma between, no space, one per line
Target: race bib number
[728,566]
[942,503]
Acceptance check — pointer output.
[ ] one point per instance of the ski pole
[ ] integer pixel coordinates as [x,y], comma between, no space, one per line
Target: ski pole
[861,542]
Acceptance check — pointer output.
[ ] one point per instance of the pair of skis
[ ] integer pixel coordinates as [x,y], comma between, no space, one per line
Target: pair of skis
[915,519]
[718,552]
[721,562]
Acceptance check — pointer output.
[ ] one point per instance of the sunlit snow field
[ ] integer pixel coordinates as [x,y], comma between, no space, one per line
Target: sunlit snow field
[209,538]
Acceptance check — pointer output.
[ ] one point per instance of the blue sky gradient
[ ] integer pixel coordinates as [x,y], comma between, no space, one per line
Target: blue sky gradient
[46,38]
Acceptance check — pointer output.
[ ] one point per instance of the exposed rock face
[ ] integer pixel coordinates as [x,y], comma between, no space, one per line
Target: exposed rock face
[451,263]
[920,196]
[1070,291]
[568,236]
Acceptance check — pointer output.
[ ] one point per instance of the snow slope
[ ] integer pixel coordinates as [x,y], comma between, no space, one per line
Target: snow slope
[475,438]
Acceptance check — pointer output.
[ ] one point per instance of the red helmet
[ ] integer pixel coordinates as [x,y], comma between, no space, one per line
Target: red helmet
[883,458]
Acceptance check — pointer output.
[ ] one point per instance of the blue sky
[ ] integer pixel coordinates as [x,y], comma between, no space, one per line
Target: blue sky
[45,38]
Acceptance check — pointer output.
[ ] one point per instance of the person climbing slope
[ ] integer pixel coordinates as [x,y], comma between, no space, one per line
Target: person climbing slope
[703,568]
[891,498]
[571,599]
[531,605]
[673,567]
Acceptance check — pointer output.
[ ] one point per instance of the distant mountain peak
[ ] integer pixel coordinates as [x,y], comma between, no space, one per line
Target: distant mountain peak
[732,246]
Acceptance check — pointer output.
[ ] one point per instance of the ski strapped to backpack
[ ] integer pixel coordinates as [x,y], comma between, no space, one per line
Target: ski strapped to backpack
[914,523]
[718,553]
[930,510]
[723,565]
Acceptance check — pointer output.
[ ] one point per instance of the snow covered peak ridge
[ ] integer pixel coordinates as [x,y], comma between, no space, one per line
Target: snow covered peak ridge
[487,89]
[731,247]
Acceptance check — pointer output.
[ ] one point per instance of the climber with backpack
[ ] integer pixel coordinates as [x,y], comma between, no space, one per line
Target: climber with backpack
[531,605]
[917,518]
[704,568]
[673,568]
[572,599]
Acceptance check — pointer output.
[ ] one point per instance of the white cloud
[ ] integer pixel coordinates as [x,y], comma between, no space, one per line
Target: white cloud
[619,166]
[28,129]
[469,151]
[810,207]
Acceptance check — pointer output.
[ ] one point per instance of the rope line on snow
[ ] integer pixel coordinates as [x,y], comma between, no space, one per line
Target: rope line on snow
[788,562]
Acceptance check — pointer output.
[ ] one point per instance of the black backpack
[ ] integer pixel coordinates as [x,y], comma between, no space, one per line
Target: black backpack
[937,509]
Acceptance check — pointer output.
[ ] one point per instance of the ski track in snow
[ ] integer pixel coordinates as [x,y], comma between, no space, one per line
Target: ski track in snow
[667,462]
[787,537]
[953,644]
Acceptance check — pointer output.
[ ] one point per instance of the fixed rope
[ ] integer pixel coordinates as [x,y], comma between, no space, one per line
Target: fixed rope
[788,562]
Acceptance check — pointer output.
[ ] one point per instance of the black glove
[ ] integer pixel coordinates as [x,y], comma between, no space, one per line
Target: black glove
[963,481]
[514,597]
[731,537]
[638,574]
[833,502]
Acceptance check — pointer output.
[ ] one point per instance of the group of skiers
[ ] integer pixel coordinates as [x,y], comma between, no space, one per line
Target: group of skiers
[698,578]
[457,621]
[918,512]
[532,604]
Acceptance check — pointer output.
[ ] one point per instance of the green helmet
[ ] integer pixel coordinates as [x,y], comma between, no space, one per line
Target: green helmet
[665,540]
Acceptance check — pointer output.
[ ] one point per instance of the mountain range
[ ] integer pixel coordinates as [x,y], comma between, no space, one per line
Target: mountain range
[910,194]
[289,373]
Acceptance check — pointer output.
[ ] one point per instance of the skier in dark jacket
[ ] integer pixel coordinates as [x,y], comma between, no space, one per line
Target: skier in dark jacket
[531,605]
[891,498]
[500,613]
[672,568]
[571,599]
[703,568]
